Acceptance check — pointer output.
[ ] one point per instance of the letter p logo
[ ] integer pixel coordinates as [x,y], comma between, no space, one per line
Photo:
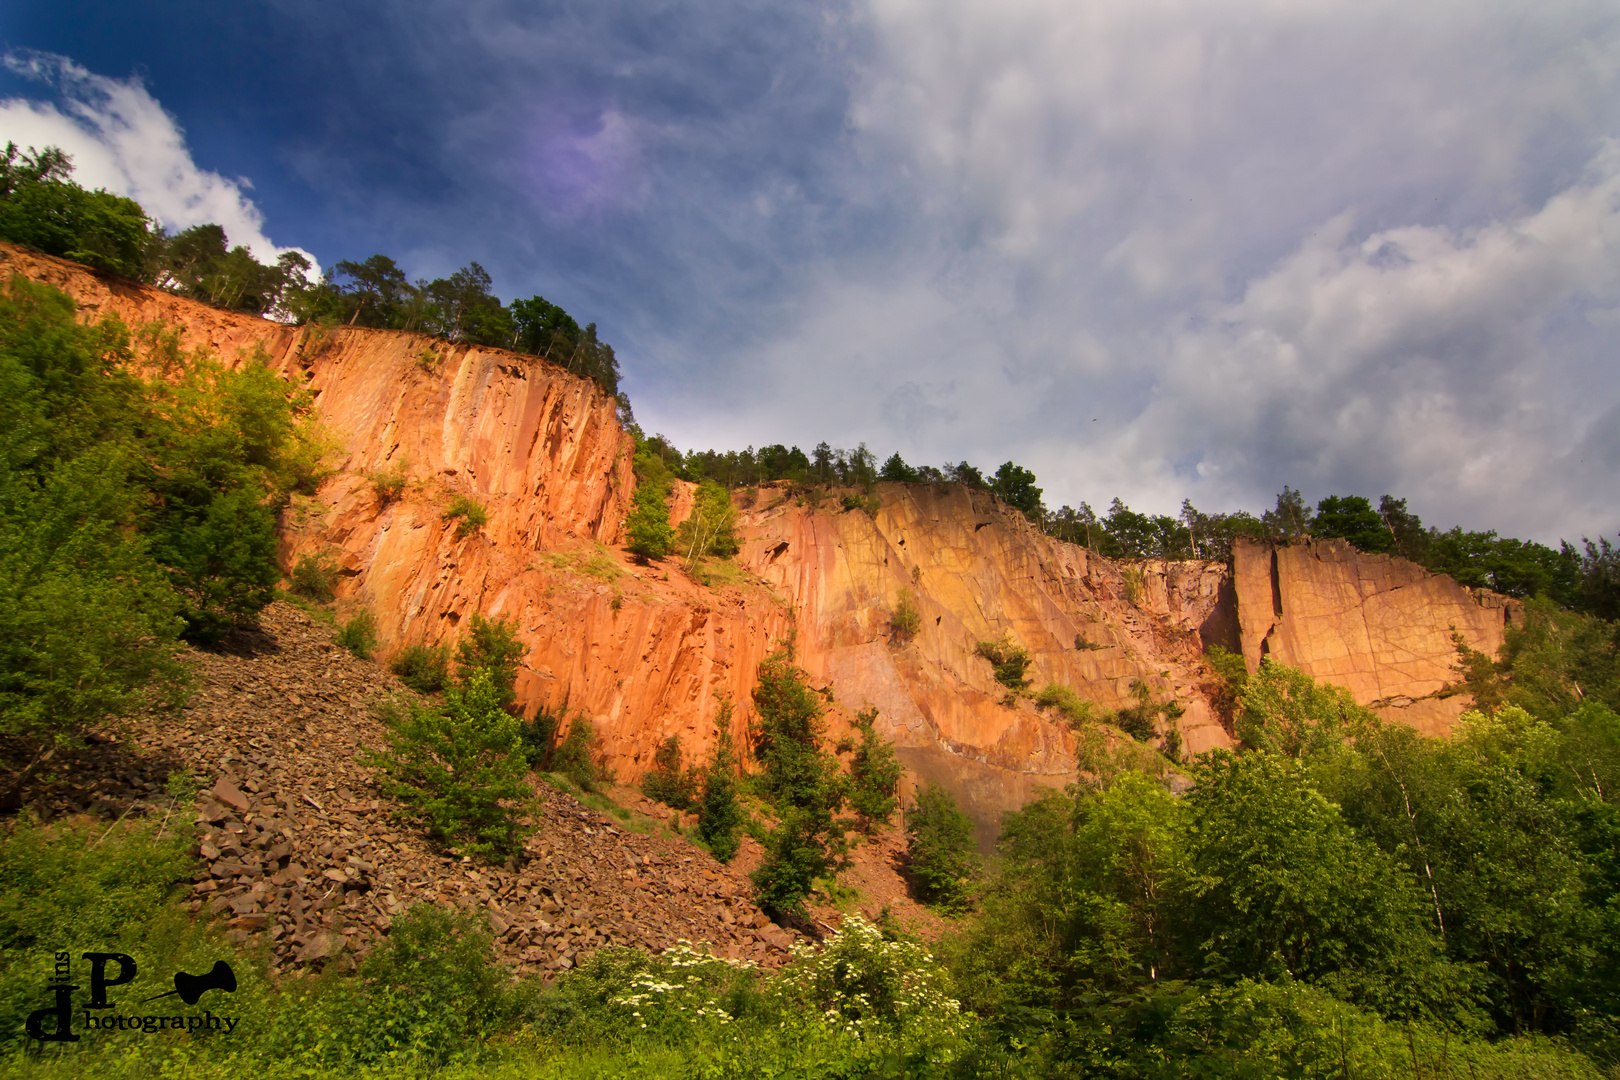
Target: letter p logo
[98,976]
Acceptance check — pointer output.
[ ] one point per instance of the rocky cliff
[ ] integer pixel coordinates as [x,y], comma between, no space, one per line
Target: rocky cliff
[649,651]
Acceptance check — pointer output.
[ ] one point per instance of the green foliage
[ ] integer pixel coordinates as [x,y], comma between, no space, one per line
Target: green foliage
[939,849]
[540,739]
[647,527]
[197,264]
[423,668]
[359,634]
[1016,486]
[577,756]
[1231,676]
[1353,518]
[905,622]
[1276,880]
[1009,659]
[1284,711]
[389,484]
[456,765]
[492,645]
[787,739]
[77,887]
[895,470]
[1075,709]
[874,773]
[667,782]
[710,528]
[720,815]
[801,780]
[867,984]
[805,845]
[314,577]
[431,991]
[41,207]
[471,512]
[1148,718]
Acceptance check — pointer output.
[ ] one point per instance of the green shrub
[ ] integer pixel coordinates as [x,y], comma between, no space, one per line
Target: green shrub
[905,622]
[540,739]
[666,782]
[939,849]
[359,634]
[456,765]
[423,668]
[314,577]
[472,514]
[576,757]
[1231,675]
[647,528]
[389,484]
[710,528]
[720,815]
[1075,709]
[492,645]
[872,985]
[874,775]
[1083,645]
[1009,659]
[804,846]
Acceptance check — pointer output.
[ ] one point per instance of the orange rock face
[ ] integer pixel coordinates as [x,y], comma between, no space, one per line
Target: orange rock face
[1378,625]
[649,651]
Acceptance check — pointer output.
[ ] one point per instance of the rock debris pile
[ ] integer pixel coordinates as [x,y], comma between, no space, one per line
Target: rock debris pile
[296,844]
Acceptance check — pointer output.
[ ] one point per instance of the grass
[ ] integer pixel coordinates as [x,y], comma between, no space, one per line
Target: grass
[592,562]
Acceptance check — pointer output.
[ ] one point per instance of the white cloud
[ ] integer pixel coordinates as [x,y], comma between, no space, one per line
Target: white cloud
[121,139]
[1167,249]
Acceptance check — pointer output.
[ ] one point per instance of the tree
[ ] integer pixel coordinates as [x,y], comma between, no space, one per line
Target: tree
[939,849]
[455,766]
[1352,518]
[1284,711]
[874,775]
[720,815]
[1276,881]
[492,646]
[667,782]
[709,529]
[1016,486]
[647,528]
[41,207]
[895,470]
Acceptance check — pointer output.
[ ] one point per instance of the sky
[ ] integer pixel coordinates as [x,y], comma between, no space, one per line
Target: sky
[1153,249]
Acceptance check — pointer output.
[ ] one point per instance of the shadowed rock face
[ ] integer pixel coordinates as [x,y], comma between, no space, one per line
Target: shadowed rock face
[647,651]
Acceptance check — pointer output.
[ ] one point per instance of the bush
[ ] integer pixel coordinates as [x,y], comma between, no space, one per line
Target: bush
[576,756]
[939,849]
[710,528]
[390,483]
[870,985]
[1009,659]
[905,622]
[315,578]
[720,815]
[874,775]
[666,782]
[492,645]
[1075,709]
[472,514]
[1143,720]
[540,739]
[455,766]
[359,634]
[799,850]
[423,668]
[647,528]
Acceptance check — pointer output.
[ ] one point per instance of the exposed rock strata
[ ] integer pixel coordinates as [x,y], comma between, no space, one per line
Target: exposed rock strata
[647,652]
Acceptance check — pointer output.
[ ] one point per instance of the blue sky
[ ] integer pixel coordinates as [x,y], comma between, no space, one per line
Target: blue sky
[1148,248]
